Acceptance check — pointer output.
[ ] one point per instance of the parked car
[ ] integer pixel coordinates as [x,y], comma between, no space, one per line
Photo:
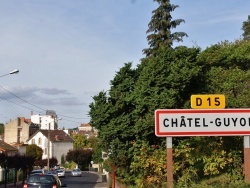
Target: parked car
[57,167]
[38,171]
[60,173]
[43,180]
[76,172]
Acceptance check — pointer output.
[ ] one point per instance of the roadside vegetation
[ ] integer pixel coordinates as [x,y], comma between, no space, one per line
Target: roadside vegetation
[165,79]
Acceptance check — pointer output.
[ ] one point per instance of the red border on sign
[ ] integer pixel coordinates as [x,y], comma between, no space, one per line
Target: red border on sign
[198,133]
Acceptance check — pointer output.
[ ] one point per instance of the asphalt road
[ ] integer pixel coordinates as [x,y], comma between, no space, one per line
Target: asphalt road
[87,180]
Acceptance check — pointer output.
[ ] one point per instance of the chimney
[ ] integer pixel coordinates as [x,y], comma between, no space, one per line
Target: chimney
[22,119]
[31,113]
[57,137]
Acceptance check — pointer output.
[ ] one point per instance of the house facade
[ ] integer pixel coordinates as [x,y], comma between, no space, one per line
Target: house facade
[87,130]
[16,131]
[59,143]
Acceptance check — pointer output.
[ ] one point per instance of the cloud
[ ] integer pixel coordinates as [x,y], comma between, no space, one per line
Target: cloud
[35,96]
[54,91]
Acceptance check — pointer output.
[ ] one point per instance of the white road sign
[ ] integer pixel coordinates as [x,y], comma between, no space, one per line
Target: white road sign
[202,122]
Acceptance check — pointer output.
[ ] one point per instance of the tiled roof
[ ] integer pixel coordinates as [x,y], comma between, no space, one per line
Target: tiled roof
[57,135]
[85,125]
[6,147]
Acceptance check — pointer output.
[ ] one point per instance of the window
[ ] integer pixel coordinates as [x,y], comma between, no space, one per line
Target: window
[33,141]
[39,141]
[19,132]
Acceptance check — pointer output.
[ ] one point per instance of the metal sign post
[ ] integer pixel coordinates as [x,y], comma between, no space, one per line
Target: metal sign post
[169,162]
[247,158]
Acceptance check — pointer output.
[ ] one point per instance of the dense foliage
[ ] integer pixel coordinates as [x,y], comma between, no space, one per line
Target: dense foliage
[1,128]
[18,162]
[82,157]
[80,141]
[35,151]
[125,115]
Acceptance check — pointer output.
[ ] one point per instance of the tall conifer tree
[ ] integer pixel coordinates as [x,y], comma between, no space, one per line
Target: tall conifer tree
[160,27]
[246,29]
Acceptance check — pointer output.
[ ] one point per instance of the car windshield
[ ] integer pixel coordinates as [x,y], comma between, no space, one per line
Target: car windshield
[76,170]
[51,172]
[36,172]
[41,179]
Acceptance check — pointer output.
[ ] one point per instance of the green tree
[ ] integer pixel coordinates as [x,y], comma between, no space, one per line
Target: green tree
[80,156]
[160,28]
[97,154]
[166,81]
[80,141]
[1,128]
[112,115]
[162,81]
[62,159]
[94,143]
[246,29]
[227,55]
[35,151]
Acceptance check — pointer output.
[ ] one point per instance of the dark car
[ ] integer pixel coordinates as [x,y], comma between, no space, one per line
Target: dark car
[38,171]
[43,181]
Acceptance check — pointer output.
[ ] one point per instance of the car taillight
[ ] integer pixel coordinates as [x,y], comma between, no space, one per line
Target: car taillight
[25,186]
[54,186]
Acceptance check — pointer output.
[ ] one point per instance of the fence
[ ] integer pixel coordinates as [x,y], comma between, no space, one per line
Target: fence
[10,175]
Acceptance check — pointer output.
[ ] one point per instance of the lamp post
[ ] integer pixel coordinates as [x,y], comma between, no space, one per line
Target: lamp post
[12,72]
[48,146]
[6,165]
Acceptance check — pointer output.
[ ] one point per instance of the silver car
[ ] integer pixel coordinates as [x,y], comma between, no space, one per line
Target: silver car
[76,172]
[51,172]
[60,173]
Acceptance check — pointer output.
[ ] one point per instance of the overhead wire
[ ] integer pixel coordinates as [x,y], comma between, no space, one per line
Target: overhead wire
[32,109]
[22,99]
[8,108]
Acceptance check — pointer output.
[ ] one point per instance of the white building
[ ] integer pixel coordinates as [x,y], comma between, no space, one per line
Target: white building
[60,143]
[46,122]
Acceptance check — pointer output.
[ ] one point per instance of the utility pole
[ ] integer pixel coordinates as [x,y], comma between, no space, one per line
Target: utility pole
[48,146]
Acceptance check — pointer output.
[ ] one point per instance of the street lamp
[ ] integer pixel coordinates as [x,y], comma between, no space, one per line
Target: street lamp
[48,147]
[15,71]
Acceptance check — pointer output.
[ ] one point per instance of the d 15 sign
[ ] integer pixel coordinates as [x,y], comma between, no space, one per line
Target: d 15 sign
[201,122]
[208,101]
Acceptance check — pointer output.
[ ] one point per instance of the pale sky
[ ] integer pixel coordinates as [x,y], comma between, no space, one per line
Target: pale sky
[67,51]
